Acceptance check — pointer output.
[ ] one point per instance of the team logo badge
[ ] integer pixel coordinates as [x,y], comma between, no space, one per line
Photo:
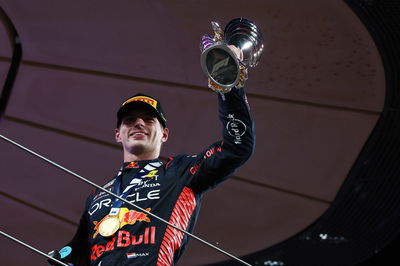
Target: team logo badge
[132,165]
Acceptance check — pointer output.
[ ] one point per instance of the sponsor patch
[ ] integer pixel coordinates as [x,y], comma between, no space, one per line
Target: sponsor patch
[134,255]
[152,174]
[132,165]
[236,128]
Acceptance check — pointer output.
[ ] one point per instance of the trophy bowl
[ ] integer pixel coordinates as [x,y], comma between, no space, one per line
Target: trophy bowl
[226,56]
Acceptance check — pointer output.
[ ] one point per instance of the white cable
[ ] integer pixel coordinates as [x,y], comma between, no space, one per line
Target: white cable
[128,202]
[32,248]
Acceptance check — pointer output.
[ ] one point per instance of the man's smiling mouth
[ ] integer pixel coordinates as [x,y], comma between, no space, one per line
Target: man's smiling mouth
[137,134]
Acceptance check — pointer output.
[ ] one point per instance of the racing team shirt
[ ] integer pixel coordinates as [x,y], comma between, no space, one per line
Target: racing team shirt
[172,191]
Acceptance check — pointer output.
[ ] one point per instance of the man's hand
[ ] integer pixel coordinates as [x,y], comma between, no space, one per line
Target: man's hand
[237,51]
[64,255]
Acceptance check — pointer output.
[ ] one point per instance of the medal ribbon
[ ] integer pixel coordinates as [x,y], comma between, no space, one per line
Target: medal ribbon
[136,180]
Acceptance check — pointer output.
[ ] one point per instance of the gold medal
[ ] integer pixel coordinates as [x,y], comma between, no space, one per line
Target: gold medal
[108,225]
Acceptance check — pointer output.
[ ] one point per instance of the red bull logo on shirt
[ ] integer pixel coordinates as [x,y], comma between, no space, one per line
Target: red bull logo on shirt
[125,239]
[131,217]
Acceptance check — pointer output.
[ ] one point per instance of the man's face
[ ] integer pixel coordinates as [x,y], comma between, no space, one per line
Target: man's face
[141,134]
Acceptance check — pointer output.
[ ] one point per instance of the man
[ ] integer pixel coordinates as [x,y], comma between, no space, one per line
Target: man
[112,232]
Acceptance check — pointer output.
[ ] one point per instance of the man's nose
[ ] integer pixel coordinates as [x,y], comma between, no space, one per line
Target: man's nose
[139,122]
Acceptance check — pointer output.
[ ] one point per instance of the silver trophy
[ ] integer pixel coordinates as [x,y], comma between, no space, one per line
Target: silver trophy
[227,55]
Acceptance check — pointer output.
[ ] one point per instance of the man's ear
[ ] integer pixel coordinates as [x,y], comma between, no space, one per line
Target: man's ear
[117,136]
[165,135]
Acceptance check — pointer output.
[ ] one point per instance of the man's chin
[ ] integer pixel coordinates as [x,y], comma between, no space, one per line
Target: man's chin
[137,147]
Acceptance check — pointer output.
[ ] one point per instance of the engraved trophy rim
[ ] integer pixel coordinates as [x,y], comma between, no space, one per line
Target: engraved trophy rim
[222,46]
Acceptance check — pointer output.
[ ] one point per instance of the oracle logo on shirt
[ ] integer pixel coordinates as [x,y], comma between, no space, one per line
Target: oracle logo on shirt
[138,196]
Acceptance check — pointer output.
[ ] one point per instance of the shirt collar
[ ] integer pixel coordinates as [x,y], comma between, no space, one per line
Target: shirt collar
[136,164]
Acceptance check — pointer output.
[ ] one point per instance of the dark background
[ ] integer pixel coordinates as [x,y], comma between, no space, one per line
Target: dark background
[321,187]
